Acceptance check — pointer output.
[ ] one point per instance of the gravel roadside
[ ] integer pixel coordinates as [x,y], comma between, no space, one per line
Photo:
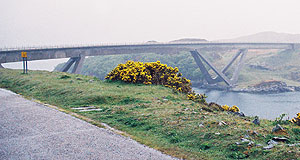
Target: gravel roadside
[30,130]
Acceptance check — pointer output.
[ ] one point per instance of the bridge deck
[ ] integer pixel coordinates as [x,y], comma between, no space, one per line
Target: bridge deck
[13,55]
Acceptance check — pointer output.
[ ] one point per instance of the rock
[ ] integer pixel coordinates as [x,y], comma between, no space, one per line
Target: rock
[217,133]
[222,123]
[78,78]
[246,136]
[165,100]
[245,140]
[251,143]
[207,109]
[271,142]
[270,86]
[292,145]
[268,147]
[277,128]
[279,139]
[259,145]
[241,114]
[215,106]
[254,133]
[91,81]
[201,125]
[256,121]
[297,88]
[237,143]
[186,109]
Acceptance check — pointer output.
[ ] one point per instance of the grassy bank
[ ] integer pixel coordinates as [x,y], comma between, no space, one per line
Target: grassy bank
[156,116]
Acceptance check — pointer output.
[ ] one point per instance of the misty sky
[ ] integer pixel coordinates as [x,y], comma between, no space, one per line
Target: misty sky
[46,22]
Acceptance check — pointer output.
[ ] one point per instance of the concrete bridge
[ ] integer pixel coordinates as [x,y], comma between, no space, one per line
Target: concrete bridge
[78,53]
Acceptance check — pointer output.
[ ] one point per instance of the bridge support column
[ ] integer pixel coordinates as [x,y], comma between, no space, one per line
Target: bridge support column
[220,74]
[77,66]
[204,71]
[240,65]
[1,66]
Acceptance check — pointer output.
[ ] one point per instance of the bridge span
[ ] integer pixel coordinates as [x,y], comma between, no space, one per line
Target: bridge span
[78,53]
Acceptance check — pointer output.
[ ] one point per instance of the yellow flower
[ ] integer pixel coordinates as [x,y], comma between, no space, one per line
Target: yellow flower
[225,107]
[234,109]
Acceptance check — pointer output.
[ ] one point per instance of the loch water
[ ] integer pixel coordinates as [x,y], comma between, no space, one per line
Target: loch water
[268,106]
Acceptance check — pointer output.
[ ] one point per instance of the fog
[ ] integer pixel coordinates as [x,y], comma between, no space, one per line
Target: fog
[59,22]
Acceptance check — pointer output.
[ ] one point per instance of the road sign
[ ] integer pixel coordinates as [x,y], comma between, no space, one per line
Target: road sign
[24,54]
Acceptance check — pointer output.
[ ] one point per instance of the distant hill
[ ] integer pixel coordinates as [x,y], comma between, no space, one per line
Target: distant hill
[190,40]
[267,37]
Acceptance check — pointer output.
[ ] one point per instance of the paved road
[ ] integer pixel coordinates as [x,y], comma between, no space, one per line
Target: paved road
[29,130]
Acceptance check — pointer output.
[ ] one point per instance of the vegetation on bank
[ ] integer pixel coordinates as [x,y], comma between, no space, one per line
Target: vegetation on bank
[158,117]
[260,65]
[154,73]
[99,66]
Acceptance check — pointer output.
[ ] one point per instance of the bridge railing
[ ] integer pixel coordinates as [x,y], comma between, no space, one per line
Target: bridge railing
[91,45]
[38,47]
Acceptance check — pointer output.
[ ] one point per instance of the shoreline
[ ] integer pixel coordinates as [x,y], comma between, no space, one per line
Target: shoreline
[271,87]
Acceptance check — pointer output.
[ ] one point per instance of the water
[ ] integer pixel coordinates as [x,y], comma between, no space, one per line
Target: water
[268,106]
[47,65]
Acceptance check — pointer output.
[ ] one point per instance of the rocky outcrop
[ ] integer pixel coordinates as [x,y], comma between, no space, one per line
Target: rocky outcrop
[271,87]
[265,87]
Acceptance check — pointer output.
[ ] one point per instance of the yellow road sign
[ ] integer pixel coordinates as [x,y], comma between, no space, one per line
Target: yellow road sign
[24,54]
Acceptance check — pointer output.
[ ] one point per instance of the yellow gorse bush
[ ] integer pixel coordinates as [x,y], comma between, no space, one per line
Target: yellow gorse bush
[296,120]
[225,108]
[154,73]
[232,109]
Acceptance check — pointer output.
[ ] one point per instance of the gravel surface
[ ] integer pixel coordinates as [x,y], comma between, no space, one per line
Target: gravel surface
[29,130]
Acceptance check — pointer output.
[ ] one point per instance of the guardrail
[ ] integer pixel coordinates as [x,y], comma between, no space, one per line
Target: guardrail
[135,44]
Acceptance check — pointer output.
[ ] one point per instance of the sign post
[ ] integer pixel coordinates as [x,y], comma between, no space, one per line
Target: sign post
[24,56]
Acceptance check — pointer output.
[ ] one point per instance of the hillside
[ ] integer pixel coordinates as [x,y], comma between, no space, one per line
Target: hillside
[191,40]
[157,116]
[267,37]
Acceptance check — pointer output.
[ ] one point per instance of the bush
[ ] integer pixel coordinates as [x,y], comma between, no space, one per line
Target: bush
[154,73]
[296,120]
[279,120]
[231,109]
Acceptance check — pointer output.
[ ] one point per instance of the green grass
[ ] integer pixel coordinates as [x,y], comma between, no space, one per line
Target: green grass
[153,115]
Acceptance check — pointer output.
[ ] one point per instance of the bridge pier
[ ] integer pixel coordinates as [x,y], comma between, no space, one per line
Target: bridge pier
[77,66]
[204,71]
[220,74]
[1,66]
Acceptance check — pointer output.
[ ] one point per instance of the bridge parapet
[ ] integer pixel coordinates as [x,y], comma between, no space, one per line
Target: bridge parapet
[169,48]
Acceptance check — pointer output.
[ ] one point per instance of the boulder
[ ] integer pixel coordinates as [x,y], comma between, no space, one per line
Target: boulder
[279,139]
[256,120]
[277,128]
[222,123]
[268,147]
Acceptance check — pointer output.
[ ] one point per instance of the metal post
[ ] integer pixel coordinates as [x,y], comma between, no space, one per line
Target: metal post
[24,65]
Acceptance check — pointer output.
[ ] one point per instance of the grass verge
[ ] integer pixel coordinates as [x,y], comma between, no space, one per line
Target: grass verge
[155,116]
